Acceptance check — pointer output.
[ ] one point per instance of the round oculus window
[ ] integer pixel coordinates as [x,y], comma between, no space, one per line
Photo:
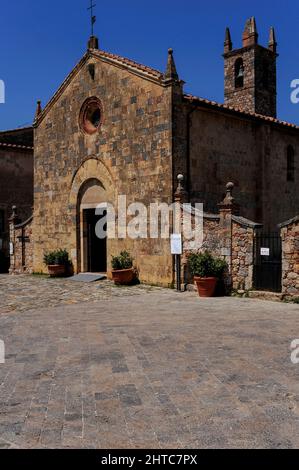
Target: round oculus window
[91,116]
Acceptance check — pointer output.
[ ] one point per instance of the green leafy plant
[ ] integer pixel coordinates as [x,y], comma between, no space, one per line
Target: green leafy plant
[205,265]
[122,261]
[58,257]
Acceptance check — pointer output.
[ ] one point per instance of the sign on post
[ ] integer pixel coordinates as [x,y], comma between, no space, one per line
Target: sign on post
[176,244]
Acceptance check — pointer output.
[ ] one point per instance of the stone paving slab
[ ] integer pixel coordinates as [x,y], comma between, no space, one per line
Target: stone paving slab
[22,293]
[152,369]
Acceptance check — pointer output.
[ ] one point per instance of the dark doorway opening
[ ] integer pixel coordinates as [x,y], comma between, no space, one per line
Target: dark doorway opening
[96,247]
[268,262]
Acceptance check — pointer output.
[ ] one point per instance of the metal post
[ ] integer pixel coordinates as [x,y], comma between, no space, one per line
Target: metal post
[178,273]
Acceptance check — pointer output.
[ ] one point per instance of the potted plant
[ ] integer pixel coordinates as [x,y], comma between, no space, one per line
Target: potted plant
[206,270]
[122,268]
[58,263]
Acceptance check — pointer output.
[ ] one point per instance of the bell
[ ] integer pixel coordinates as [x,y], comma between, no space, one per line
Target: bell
[240,73]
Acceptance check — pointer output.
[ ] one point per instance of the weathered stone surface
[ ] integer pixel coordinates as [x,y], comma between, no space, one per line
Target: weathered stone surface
[242,256]
[21,260]
[39,291]
[239,155]
[229,238]
[16,183]
[290,254]
[256,93]
[192,379]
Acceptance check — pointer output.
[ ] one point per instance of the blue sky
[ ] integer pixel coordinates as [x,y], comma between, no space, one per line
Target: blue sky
[42,40]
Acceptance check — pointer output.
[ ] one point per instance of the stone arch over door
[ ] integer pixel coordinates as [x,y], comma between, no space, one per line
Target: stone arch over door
[92,184]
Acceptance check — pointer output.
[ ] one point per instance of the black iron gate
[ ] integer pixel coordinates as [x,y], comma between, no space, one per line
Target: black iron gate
[267,262]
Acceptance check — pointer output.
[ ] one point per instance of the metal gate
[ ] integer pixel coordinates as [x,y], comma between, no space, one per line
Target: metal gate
[267,262]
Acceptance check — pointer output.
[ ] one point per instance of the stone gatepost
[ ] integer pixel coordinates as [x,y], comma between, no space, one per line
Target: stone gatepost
[180,198]
[227,208]
[290,257]
[13,221]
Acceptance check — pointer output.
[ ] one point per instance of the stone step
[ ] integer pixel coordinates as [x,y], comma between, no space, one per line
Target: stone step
[264,295]
[88,277]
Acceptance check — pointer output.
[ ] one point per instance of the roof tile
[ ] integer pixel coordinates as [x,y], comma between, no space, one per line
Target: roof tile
[15,146]
[129,63]
[214,104]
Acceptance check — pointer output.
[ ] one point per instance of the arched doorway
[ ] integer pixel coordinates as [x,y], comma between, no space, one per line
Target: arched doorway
[92,248]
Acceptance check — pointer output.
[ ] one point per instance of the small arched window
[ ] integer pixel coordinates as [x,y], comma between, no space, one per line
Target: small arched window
[290,163]
[239,73]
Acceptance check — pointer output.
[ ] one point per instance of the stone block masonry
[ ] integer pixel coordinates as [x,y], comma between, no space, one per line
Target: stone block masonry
[16,183]
[127,156]
[228,236]
[290,257]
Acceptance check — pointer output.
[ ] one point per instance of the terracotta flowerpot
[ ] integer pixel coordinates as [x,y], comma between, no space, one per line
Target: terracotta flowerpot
[123,276]
[206,286]
[57,270]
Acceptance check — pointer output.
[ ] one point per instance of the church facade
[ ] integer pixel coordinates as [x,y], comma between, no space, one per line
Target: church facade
[116,127]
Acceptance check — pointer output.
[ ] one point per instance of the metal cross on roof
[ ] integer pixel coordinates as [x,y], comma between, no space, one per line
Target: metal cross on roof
[93,18]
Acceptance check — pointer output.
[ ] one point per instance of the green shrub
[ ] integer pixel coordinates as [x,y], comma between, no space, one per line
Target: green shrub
[122,261]
[60,257]
[205,265]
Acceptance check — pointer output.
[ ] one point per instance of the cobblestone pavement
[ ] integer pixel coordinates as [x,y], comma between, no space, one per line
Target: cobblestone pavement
[21,293]
[156,370]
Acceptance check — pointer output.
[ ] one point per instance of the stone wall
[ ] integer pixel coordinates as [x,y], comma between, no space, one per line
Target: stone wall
[21,240]
[230,237]
[16,188]
[243,232]
[252,153]
[290,257]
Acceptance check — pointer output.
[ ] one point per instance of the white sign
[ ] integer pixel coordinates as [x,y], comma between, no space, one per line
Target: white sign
[176,244]
[265,251]
[11,249]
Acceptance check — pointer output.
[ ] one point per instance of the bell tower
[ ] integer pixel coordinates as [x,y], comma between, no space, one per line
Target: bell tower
[250,72]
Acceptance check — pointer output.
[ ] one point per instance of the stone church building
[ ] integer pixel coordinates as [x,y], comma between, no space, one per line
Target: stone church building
[116,127]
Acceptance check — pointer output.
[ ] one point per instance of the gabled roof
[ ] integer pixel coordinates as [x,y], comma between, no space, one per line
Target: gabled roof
[223,107]
[128,64]
[119,61]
